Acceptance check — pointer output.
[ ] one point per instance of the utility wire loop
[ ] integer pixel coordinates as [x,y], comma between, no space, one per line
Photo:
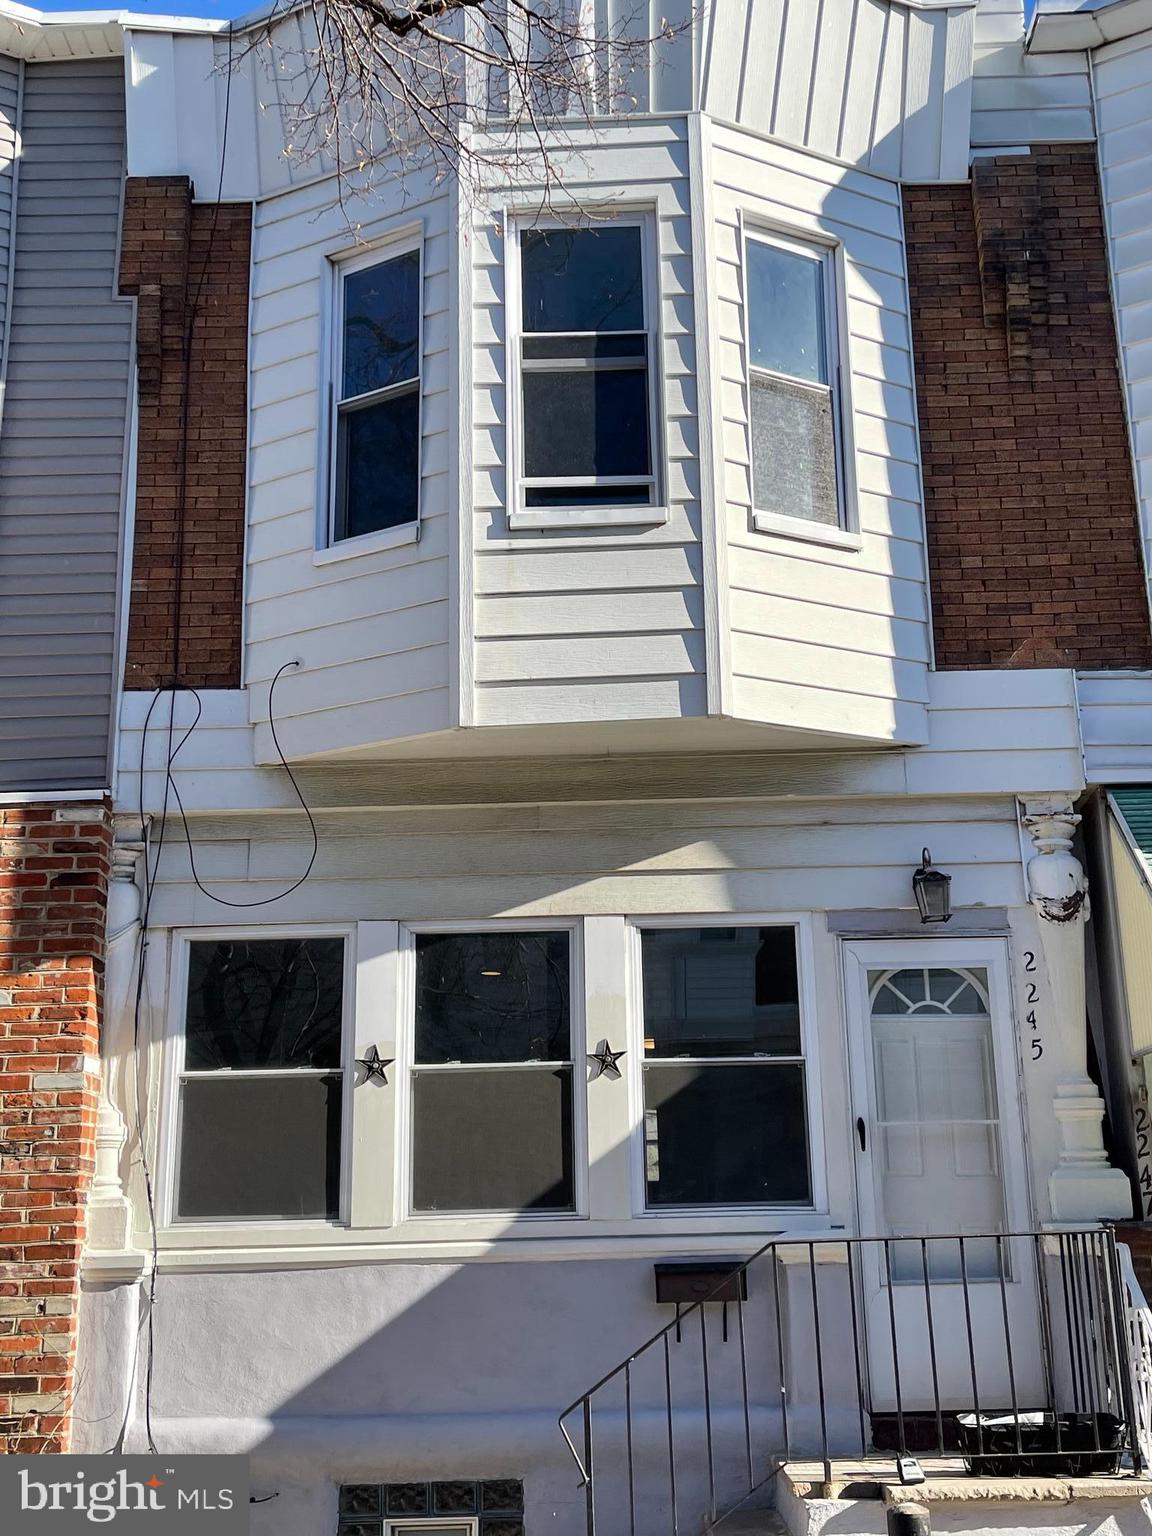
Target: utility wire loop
[262,901]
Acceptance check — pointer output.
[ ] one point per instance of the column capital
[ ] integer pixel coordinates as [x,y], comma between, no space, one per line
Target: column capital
[1057,884]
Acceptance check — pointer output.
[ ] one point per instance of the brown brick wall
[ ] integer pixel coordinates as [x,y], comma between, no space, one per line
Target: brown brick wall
[1032,523]
[54,867]
[178,258]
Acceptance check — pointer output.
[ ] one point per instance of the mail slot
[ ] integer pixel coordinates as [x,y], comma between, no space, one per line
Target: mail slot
[685,1281]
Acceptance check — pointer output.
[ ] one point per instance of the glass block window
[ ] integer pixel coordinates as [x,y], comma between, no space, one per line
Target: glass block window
[793,381]
[585,368]
[261,1084]
[452,1507]
[377,397]
[725,1095]
[492,1074]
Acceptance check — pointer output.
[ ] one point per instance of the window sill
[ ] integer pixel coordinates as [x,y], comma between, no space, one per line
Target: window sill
[807,532]
[367,544]
[587,517]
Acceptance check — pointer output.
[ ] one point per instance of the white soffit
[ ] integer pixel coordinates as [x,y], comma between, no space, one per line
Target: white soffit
[1062,26]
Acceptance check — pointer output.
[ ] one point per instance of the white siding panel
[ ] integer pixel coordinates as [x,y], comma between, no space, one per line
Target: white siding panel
[1023,98]
[371,629]
[632,596]
[865,81]
[858,651]
[1123,89]
[1116,724]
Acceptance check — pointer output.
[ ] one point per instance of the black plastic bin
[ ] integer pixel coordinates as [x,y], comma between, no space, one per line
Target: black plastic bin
[988,1443]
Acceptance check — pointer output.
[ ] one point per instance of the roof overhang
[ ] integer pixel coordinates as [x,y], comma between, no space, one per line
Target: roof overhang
[1070,26]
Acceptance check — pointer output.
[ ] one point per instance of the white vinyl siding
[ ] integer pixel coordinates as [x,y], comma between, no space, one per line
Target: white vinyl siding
[1023,98]
[882,85]
[1123,85]
[577,624]
[370,625]
[821,635]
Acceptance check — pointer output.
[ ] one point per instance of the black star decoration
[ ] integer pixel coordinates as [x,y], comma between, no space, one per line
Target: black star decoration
[373,1065]
[603,1061]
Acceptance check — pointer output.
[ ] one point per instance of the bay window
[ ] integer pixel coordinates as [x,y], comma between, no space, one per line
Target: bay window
[261,1080]
[724,1092]
[376,404]
[492,1073]
[794,408]
[585,362]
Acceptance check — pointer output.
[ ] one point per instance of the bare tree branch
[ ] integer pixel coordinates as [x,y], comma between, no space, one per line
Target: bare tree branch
[493,92]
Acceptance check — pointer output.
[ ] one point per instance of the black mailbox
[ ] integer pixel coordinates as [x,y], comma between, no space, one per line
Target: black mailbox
[683,1281]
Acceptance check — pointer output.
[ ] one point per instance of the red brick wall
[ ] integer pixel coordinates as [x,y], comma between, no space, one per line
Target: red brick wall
[1032,523]
[54,867]
[188,266]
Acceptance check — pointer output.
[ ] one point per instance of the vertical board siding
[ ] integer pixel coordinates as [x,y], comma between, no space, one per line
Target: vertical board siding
[868,81]
[593,624]
[1123,88]
[826,638]
[63,431]
[371,629]
[1024,98]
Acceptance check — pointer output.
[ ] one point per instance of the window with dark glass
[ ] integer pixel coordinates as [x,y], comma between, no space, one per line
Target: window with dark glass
[584,360]
[261,1083]
[725,1118]
[792,382]
[377,404]
[492,1073]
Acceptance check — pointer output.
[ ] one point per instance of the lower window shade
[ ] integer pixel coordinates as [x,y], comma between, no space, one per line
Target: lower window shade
[378,458]
[492,1140]
[725,1134]
[793,433]
[260,1147]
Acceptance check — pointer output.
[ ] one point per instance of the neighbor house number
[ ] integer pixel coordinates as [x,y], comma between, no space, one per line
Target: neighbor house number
[1031,998]
[1142,1125]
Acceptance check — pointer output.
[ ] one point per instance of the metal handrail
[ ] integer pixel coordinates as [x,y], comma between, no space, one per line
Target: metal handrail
[1081,1330]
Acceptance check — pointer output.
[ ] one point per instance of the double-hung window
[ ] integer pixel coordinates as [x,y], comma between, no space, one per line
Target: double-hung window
[725,1101]
[794,405]
[585,361]
[376,404]
[492,1073]
[260,1083]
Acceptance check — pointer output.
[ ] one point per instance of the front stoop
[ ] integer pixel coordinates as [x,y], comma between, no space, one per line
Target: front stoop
[857,1500]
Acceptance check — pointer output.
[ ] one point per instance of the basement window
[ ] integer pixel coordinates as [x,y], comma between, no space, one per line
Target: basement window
[261,1082]
[376,396]
[725,1089]
[492,1073]
[794,407]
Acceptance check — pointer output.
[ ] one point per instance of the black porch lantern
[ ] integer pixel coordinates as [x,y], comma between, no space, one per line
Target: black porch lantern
[932,889]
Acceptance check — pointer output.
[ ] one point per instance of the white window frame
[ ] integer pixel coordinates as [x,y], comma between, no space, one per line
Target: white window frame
[519,515]
[174,1076]
[406,1065]
[399,243]
[801,924]
[830,256]
[418,1525]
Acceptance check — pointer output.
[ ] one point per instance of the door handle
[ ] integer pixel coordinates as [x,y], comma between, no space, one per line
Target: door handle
[861,1133]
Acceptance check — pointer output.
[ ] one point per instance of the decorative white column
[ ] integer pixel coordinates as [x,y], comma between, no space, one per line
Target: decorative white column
[109,1210]
[1082,1186]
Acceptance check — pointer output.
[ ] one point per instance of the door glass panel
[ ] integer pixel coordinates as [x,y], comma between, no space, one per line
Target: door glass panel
[937,1152]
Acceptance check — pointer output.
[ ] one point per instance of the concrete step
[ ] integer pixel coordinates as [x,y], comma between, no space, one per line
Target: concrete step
[751,1522]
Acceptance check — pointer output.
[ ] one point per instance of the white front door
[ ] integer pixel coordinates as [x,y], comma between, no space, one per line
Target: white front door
[940,1153]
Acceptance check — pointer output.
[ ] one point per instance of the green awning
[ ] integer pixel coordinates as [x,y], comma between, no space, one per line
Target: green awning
[1135,805]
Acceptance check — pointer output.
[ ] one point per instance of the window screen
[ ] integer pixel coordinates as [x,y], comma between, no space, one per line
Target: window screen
[378,398]
[261,1084]
[725,1117]
[585,360]
[793,406]
[492,1073]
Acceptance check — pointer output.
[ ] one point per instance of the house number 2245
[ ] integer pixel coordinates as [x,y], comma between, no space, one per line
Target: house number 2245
[1031,998]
